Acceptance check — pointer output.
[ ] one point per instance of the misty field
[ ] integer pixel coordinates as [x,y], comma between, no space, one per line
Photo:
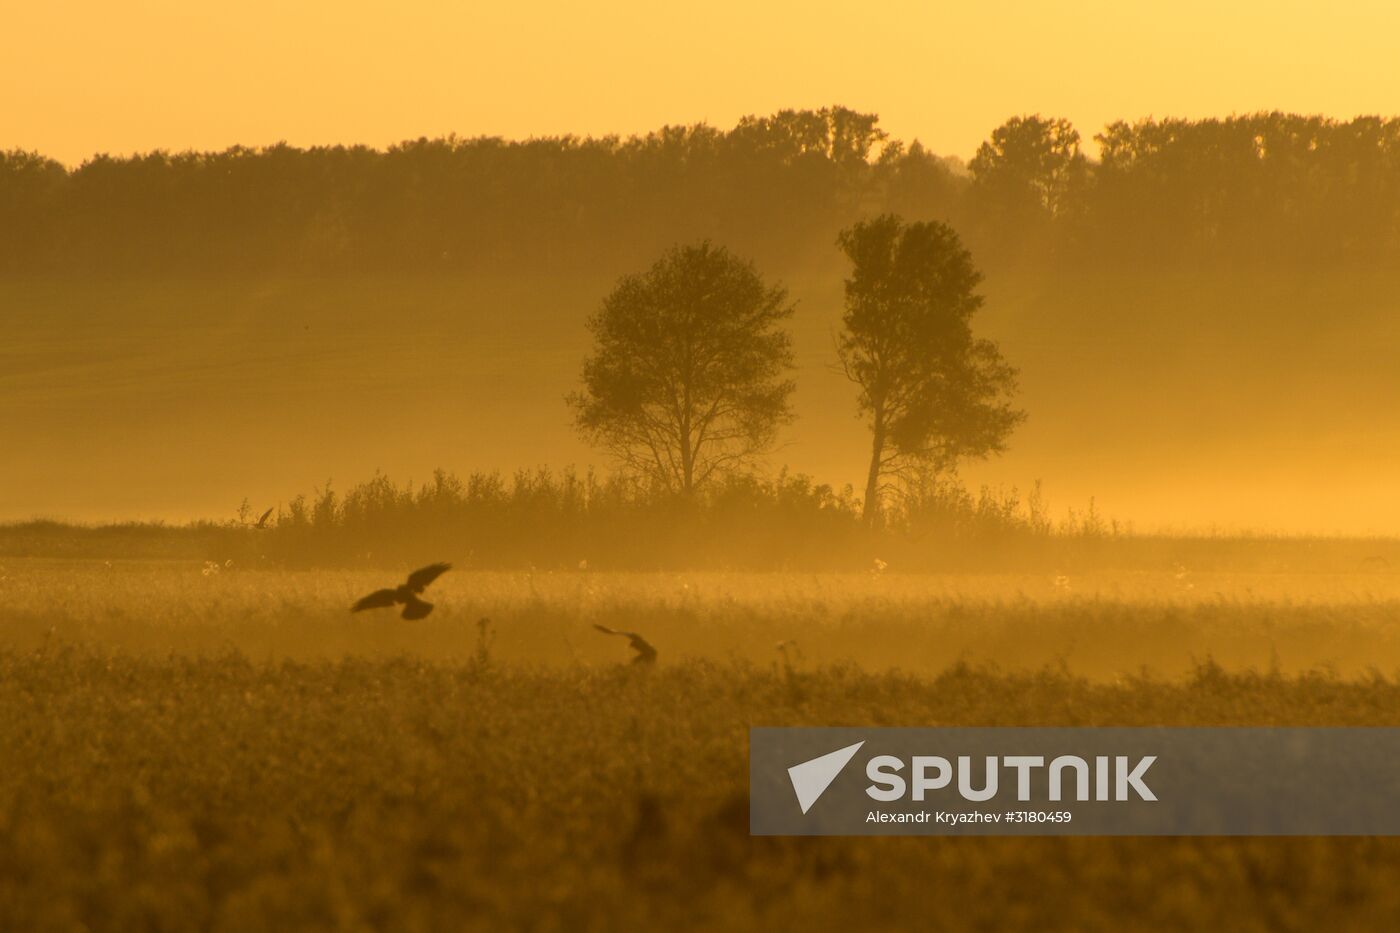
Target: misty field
[199,746]
[1101,625]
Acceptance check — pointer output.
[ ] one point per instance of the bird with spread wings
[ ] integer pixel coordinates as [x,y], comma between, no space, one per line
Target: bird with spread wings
[407,594]
[646,652]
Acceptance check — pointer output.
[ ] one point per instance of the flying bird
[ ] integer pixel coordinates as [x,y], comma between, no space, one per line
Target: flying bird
[413,607]
[261,524]
[646,652]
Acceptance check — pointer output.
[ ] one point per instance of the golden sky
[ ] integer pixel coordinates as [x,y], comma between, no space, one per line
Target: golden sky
[89,76]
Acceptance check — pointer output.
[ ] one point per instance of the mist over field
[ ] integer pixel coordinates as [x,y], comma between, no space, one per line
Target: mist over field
[1200,313]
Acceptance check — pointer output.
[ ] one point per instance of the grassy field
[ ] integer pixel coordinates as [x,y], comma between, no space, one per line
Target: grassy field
[186,748]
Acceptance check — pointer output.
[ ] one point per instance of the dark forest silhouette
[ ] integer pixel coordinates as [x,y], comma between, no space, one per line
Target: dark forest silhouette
[1259,188]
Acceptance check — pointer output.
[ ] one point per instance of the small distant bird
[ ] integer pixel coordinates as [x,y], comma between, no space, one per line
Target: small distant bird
[261,524]
[646,652]
[413,607]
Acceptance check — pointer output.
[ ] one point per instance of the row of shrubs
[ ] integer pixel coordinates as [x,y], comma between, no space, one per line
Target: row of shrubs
[569,520]
[573,521]
[566,519]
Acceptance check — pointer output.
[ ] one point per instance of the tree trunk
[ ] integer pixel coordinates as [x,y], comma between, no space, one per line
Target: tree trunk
[687,467]
[871,512]
[687,452]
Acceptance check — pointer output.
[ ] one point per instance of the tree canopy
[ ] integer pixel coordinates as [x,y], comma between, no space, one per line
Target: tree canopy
[687,381]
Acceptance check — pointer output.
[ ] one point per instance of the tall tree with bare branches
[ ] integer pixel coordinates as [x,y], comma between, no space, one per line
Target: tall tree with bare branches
[688,379]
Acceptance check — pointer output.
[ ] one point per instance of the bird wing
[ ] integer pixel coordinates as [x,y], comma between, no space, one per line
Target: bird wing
[262,522]
[419,579]
[639,644]
[415,608]
[379,599]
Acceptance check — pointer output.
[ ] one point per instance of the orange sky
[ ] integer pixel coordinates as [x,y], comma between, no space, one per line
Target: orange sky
[87,76]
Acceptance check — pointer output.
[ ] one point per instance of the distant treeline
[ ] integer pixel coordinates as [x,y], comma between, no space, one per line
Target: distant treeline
[569,522]
[1264,187]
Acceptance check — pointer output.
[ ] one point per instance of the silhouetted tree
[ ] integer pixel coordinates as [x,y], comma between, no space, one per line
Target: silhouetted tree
[932,392]
[1031,166]
[687,378]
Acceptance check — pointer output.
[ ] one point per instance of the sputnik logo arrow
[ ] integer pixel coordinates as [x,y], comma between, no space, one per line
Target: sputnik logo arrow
[811,778]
